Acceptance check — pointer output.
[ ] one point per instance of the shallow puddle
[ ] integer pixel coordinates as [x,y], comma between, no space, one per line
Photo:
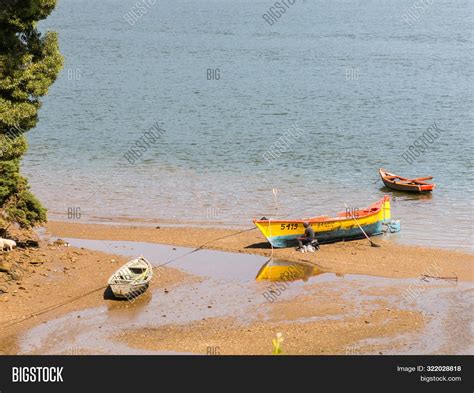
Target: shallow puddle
[205,263]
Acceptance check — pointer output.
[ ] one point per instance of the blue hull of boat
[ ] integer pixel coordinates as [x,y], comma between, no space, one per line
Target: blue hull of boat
[330,236]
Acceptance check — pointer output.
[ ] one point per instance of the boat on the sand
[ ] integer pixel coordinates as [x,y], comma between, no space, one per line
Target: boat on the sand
[345,226]
[132,279]
[400,183]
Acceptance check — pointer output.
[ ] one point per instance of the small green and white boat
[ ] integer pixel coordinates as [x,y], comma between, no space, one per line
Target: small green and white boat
[132,279]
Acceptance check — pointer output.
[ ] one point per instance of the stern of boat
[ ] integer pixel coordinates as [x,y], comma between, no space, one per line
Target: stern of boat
[391,226]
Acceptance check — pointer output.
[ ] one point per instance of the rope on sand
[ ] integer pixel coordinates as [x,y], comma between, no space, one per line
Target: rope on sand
[15,321]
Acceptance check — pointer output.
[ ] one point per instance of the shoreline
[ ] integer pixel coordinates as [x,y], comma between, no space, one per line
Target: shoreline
[401,238]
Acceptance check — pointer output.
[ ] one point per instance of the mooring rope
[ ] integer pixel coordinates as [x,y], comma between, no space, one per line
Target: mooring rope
[15,321]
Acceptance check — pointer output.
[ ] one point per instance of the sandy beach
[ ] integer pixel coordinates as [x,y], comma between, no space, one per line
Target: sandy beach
[335,316]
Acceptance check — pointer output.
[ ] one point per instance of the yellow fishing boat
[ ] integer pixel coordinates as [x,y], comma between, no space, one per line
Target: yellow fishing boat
[345,226]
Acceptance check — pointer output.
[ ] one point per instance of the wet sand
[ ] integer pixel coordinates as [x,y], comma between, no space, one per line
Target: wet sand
[328,314]
[308,324]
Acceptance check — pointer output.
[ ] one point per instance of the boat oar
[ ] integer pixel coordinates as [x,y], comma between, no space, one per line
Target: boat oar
[371,242]
[423,178]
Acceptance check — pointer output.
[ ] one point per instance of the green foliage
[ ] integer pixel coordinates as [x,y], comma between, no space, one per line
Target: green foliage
[12,148]
[9,181]
[25,209]
[29,64]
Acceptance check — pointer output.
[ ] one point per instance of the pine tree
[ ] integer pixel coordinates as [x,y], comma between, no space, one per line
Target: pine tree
[29,63]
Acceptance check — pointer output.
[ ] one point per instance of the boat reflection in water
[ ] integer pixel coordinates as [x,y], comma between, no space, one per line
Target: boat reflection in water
[405,196]
[278,270]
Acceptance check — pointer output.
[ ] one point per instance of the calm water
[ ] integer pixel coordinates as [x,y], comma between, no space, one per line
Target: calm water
[360,82]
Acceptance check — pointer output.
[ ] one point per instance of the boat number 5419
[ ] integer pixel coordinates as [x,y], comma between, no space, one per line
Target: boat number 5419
[288,226]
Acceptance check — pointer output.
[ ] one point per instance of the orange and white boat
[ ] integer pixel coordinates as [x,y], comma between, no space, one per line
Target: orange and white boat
[400,183]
